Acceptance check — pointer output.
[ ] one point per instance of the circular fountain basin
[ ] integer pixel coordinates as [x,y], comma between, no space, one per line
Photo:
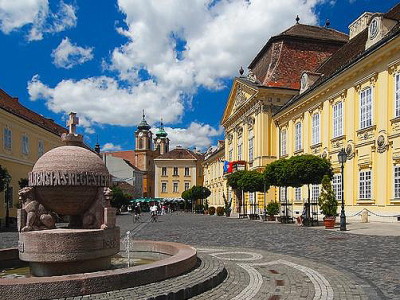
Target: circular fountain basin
[68,251]
[176,259]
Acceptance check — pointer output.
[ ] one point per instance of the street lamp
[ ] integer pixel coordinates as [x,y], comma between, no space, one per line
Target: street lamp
[342,157]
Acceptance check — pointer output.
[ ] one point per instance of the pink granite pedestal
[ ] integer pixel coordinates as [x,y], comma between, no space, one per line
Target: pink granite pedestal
[68,251]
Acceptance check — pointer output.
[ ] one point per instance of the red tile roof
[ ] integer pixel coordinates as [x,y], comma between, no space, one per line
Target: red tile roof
[12,105]
[349,54]
[181,153]
[128,155]
[302,47]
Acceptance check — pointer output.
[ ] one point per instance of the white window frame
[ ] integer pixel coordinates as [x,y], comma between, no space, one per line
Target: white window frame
[316,128]
[396,182]
[25,144]
[365,185]
[366,119]
[175,187]
[297,194]
[282,198]
[163,187]
[240,145]
[40,148]
[7,138]
[251,146]
[162,171]
[337,186]
[338,119]
[315,192]
[397,94]
[298,136]
[187,186]
[283,141]
[188,171]
[177,171]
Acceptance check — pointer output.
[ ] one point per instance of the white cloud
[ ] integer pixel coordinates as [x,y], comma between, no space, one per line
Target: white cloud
[110,147]
[216,39]
[219,39]
[196,135]
[67,55]
[37,16]
[100,100]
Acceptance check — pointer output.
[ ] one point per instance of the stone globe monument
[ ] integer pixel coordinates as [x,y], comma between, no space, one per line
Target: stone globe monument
[69,181]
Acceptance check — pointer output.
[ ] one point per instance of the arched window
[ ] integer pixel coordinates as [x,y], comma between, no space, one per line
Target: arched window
[140,143]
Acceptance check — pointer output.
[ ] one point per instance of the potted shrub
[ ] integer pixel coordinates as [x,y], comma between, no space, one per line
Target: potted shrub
[211,210]
[328,203]
[272,210]
[228,204]
[206,207]
[220,211]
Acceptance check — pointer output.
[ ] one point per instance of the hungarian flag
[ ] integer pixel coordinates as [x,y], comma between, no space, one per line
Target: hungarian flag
[227,167]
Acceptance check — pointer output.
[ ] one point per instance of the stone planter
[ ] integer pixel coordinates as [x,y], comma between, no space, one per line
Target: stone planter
[329,222]
[271,218]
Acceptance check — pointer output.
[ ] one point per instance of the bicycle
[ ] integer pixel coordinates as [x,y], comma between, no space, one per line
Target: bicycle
[153,217]
[136,218]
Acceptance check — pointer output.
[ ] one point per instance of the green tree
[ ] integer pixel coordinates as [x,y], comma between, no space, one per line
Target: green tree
[233,182]
[5,178]
[119,199]
[307,169]
[187,196]
[327,200]
[196,192]
[275,173]
[252,181]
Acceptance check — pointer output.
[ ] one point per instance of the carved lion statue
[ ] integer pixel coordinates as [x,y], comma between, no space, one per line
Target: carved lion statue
[37,216]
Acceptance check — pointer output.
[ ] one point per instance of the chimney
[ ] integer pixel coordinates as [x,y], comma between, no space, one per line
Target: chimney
[359,24]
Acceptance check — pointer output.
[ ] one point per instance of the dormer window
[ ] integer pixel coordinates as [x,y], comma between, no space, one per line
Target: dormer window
[373,28]
[378,27]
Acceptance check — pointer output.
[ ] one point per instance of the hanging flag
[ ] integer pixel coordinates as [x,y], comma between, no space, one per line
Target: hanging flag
[226,166]
[230,167]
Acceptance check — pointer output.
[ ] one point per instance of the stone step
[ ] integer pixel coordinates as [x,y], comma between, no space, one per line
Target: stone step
[208,274]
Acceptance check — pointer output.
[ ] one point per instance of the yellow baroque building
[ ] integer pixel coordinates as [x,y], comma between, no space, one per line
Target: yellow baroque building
[343,94]
[213,175]
[25,136]
[177,171]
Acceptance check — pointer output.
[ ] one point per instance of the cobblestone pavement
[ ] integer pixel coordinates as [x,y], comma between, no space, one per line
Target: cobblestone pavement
[373,260]
[315,262]
[256,274]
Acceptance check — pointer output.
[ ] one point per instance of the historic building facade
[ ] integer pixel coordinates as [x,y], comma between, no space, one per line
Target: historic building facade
[25,136]
[352,101]
[122,171]
[213,174]
[177,171]
[344,95]
[146,150]
[272,80]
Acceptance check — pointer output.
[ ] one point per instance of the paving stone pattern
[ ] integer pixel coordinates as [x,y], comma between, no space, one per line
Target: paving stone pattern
[354,266]
[370,260]
[274,276]
[209,273]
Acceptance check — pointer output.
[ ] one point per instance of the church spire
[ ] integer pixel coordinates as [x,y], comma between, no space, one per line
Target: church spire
[143,124]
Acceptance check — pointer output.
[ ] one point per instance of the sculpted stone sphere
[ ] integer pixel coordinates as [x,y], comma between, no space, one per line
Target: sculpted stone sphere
[66,179]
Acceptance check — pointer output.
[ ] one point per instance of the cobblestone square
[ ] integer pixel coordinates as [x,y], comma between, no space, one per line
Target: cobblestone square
[275,261]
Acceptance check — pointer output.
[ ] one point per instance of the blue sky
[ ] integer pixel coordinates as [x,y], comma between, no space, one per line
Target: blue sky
[108,60]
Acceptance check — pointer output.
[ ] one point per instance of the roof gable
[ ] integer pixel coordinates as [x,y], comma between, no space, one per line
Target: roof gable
[180,153]
[240,94]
